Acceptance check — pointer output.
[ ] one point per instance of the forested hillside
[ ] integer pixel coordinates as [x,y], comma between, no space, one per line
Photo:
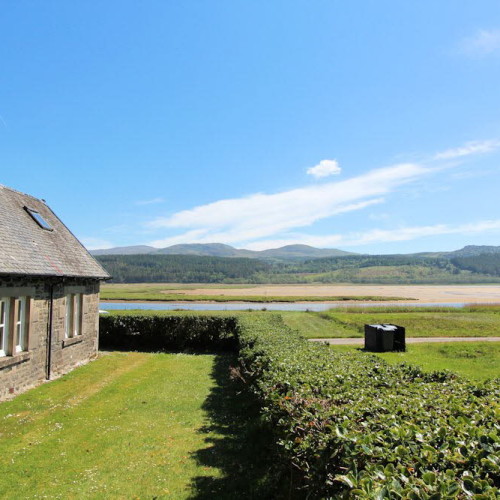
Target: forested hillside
[383,269]
[486,264]
[180,268]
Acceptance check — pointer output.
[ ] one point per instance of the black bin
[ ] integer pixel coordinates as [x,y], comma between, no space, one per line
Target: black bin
[384,337]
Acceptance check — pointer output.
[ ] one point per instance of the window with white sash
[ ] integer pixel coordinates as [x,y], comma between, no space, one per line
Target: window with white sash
[74,315]
[14,325]
[4,326]
[20,324]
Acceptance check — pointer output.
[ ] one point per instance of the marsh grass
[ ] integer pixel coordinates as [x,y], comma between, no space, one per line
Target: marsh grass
[180,297]
[175,293]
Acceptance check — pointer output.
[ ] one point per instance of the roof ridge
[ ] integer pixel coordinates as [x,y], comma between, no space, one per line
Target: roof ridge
[3,186]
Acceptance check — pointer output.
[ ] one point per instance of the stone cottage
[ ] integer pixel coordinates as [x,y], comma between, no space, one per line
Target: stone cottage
[49,295]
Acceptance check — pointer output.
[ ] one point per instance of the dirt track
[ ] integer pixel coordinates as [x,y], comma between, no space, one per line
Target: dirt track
[410,340]
[423,293]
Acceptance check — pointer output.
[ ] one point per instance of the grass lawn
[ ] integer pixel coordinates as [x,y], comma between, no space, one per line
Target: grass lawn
[473,360]
[429,322]
[134,425]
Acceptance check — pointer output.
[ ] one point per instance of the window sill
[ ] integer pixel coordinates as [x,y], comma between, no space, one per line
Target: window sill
[72,341]
[17,358]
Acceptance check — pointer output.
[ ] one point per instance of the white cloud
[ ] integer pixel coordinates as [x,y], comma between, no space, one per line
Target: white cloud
[152,201]
[412,233]
[377,235]
[469,148]
[241,220]
[324,168]
[91,243]
[483,43]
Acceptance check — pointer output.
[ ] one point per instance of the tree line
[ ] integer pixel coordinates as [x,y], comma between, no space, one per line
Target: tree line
[352,268]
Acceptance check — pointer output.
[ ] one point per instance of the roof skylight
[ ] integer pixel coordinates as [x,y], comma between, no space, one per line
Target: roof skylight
[37,217]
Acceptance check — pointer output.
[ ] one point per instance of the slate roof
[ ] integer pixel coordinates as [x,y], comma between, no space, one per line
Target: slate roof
[27,249]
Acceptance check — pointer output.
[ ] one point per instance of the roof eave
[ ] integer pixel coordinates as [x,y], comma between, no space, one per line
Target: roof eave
[70,276]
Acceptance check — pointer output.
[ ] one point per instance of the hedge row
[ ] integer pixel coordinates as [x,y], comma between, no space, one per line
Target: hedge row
[354,426]
[167,333]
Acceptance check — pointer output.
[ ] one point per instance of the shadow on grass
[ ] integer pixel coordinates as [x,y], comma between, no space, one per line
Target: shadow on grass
[244,454]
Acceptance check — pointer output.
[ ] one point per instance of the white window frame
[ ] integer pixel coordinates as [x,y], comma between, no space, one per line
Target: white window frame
[4,326]
[74,315]
[78,308]
[20,324]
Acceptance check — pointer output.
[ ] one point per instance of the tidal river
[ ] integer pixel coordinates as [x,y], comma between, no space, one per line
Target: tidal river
[273,306]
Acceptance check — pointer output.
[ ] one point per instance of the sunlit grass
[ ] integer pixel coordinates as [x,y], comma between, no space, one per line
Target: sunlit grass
[428,322]
[473,360]
[125,426]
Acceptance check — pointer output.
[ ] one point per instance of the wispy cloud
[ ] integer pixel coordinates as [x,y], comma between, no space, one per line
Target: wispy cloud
[379,216]
[325,168]
[412,233]
[482,43]
[265,220]
[153,201]
[469,148]
[259,216]
[357,239]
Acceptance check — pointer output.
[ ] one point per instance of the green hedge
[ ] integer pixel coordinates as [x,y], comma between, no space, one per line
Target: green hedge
[167,333]
[349,425]
[353,426]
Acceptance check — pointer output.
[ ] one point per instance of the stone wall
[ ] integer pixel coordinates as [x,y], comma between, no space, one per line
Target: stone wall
[20,371]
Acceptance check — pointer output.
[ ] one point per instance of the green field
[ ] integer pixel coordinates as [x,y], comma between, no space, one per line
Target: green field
[475,321]
[133,425]
[473,360]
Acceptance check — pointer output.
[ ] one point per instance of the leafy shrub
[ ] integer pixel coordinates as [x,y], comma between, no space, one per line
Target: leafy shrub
[167,333]
[354,426]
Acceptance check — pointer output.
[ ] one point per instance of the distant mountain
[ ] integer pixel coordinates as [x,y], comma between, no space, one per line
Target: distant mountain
[133,250]
[301,251]
[207,249]
[220,250]
[467,251]
[473,251]
[288,252]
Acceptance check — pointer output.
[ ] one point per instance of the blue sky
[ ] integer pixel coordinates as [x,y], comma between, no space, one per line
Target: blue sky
[371,126]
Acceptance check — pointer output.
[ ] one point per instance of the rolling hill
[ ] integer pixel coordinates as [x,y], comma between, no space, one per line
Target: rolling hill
[221,250]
